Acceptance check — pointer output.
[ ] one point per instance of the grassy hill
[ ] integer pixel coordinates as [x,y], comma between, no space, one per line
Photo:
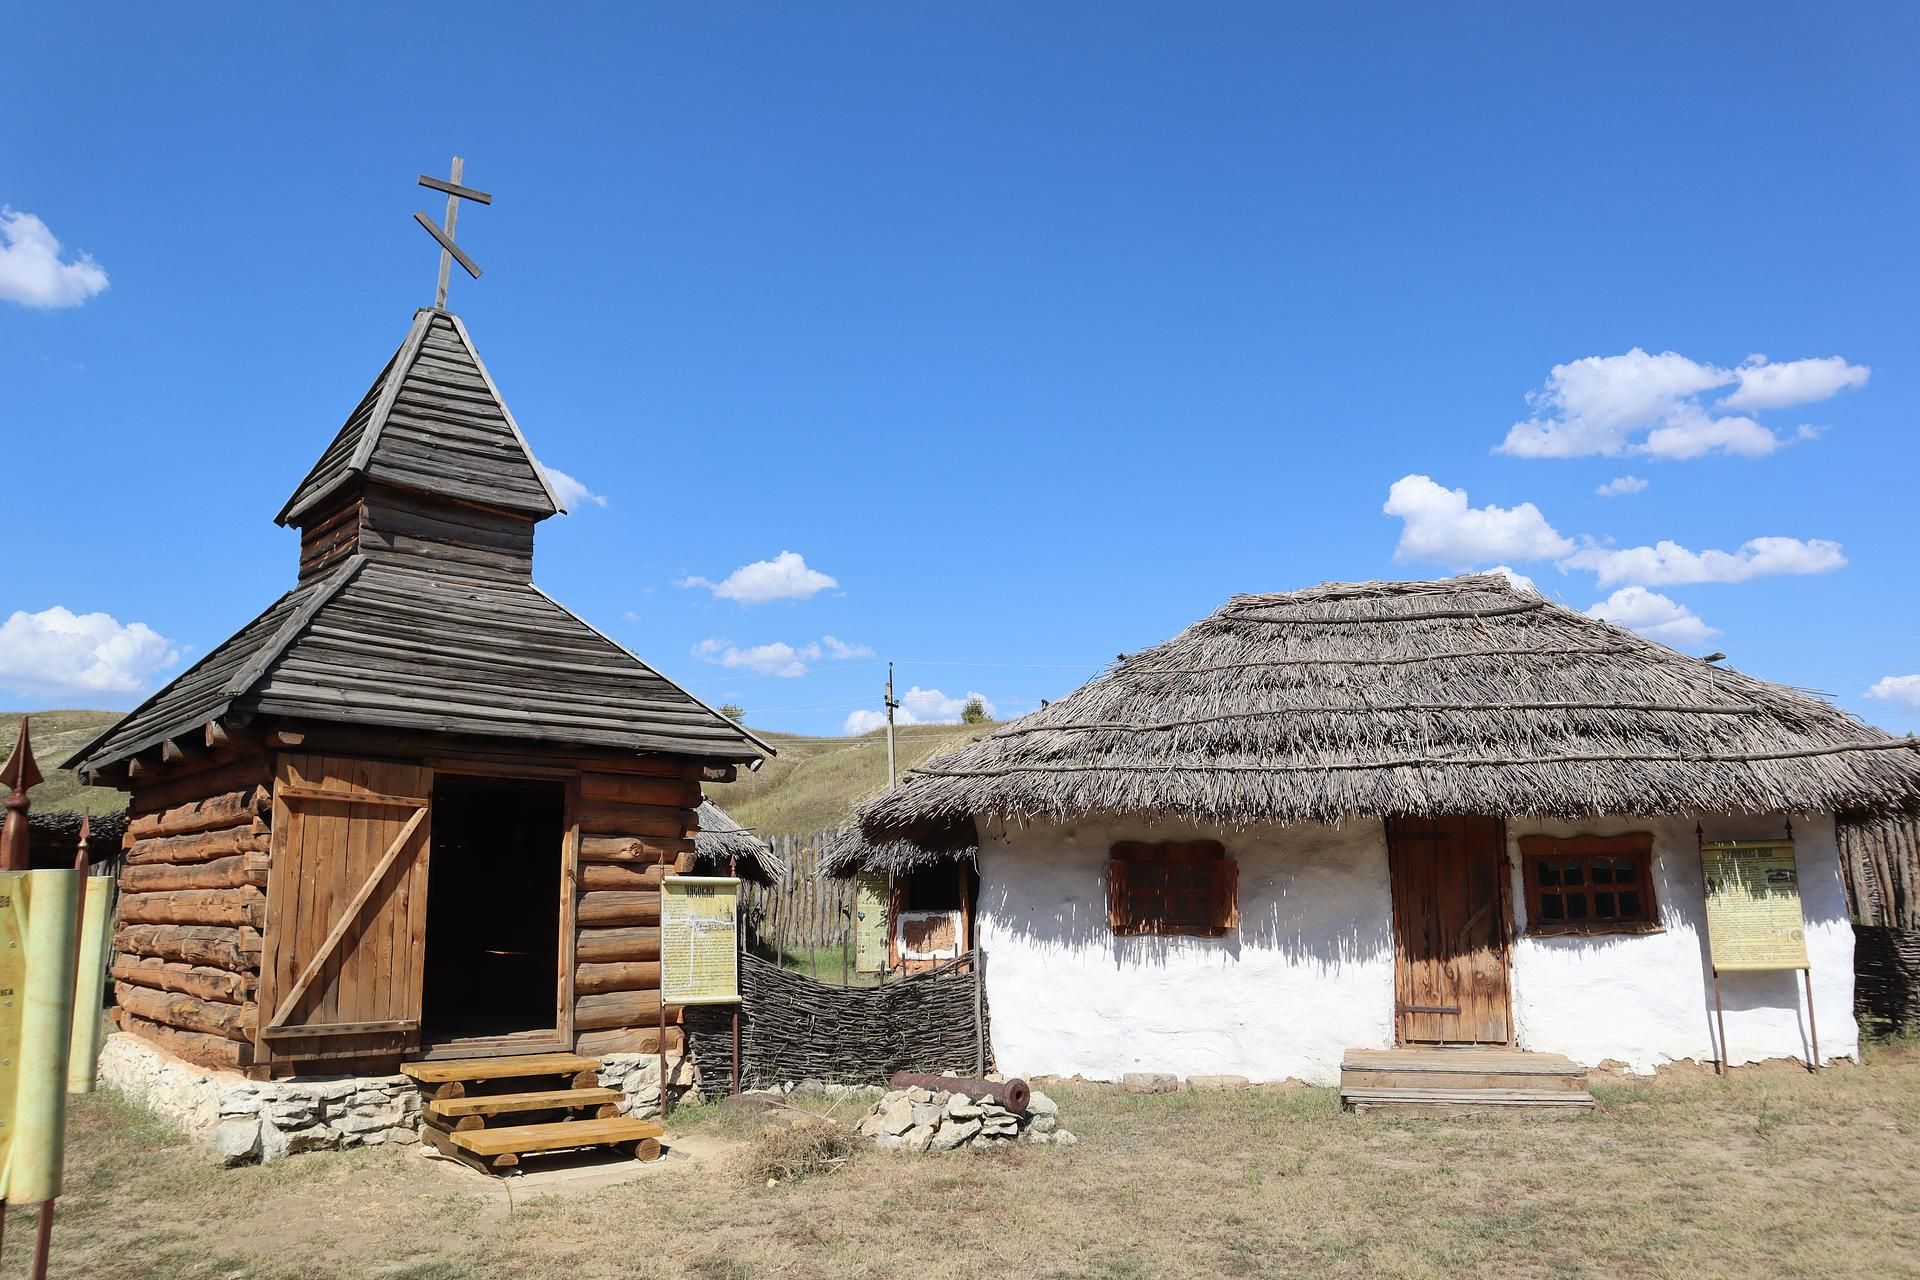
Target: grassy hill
[57,735]
[814,783]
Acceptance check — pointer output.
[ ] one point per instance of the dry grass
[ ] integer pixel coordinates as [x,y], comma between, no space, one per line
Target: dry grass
[1772,1173]
[57,735]
[788,1152]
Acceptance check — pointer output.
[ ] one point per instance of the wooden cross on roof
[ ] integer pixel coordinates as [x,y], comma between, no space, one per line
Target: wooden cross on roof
[449,251]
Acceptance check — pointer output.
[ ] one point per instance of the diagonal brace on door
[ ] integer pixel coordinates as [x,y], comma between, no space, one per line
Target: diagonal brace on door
[347,917]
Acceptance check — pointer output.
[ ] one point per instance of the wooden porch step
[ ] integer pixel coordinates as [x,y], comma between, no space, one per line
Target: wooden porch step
[472,1070]
[1455,1080]
[498,1104]
[1456,1101]
[560,1136]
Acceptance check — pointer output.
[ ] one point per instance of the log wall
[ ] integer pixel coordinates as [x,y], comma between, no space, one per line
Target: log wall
[193,903]
[635,829]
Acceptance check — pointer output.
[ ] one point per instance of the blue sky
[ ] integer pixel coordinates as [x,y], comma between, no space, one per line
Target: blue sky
[1039,330]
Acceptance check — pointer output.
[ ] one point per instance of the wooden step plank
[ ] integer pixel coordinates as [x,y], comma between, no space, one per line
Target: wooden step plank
[1372,1079]
[1493,1097]
[531,1064]
[505,1103]
[555,1137]
[1525,1062]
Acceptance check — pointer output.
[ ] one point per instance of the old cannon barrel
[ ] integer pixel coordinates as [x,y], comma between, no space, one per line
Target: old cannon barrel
[1011,1094]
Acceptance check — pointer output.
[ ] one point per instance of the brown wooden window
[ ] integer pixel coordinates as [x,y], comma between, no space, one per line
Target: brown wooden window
[1175,887]
[1589,884]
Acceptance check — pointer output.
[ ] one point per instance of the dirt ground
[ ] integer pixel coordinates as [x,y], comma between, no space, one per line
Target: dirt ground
[1771,1173]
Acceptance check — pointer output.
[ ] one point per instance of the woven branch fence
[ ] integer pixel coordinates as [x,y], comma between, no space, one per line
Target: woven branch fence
[1881,864]
[794,1028]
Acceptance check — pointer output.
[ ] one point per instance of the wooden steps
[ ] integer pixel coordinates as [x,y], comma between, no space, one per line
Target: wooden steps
[489,1112]
[1446,1080]
[499,1104]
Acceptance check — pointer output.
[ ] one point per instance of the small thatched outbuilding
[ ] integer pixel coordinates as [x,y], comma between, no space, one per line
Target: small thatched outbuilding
[1371,814]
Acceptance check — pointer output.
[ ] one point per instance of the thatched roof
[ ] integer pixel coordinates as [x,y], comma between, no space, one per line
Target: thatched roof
[1419,698]
[53,836]
[721,838]
[850,851]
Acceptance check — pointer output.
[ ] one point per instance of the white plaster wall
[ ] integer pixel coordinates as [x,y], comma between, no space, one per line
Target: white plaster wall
[1308,974]
[1647,999]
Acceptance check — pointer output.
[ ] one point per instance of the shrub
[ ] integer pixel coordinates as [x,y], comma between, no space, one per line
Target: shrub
[789,1152]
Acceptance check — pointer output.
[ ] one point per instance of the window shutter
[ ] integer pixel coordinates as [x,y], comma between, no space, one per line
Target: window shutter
[1117,918]
[1226,894]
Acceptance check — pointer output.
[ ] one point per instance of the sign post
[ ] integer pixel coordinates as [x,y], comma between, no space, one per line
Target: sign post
[699,948]
[1754,921]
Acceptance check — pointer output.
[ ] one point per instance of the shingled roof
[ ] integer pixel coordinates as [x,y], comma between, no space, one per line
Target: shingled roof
[388,644]
[1407,698]
[432,422]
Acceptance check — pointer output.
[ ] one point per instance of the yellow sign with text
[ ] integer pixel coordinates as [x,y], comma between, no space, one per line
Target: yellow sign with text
[1753,905]
[700,940]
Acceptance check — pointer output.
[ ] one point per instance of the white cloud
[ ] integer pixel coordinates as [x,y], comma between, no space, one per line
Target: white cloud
[1654,616]
[785,577]
[1668,563]
[1901,691]
[571,492]
[779,658]
[1601,404]
[1515,579]
[1620,486]
[1440,526]
[918,706]
[1692,432]
[57,653]
[838,648]
[31,271]
[1791,382]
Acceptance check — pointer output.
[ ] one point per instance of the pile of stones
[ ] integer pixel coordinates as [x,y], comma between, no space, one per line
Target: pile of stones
[935,1120]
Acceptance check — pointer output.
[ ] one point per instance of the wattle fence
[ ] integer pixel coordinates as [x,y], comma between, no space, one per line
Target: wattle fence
[793,1028]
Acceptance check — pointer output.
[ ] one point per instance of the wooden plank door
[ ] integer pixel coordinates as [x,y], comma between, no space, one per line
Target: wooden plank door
[1450,930]
[340,973]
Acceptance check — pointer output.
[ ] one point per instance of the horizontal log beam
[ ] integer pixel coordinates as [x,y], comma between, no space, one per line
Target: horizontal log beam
[612,1009]
[672,793]
[636,849]
[189,1013]
[629,877]
[611,946]
[215,945]
[202,981]
[228,810]
[245,905]
[221,873]
[615,908]
[151,796]
[627,1040]
[607,818]
[194,1046]
[632,975]
[203,846]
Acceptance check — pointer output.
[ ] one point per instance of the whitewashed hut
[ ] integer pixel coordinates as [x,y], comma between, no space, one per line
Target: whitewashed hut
[1380,816]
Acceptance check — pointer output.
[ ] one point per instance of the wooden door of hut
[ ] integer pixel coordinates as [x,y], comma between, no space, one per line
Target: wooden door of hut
[1450,930]
[340,976]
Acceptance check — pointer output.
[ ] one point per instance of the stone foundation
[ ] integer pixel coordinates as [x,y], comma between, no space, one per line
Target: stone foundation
[241,1121]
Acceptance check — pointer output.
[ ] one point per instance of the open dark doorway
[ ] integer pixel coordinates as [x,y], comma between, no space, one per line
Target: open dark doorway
[493,908]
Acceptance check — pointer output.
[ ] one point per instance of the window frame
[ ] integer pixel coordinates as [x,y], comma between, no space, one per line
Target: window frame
[1536,849]
[1128,908]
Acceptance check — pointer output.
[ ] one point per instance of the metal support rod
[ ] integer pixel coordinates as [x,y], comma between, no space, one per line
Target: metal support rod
[1720,1015]
[1813,1029]
[739,941]
[42,1240]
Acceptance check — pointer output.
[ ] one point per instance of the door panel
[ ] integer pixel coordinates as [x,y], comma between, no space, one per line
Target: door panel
[1450,930]
[346,908]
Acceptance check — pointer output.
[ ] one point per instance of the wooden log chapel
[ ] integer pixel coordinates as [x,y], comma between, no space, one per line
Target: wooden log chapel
[416,809]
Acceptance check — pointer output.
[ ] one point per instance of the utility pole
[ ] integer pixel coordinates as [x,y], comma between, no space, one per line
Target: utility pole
[893,774]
